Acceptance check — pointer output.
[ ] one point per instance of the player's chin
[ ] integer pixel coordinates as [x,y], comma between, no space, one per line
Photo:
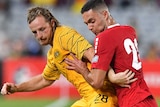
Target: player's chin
[43,43]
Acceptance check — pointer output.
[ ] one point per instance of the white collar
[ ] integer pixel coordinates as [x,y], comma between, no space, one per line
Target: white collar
[113,25]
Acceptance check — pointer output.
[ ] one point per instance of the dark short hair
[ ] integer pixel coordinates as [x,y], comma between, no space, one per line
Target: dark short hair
[92,4]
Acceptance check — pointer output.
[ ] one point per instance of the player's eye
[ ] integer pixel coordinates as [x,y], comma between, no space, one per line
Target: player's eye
[34,32]
[42,29]
[91,21]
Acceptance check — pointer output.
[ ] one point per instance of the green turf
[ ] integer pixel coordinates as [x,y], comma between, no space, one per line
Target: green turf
[158,101]
[34,102]
[29,102]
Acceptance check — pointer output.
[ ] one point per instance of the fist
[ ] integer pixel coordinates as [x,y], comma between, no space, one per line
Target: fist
[8,88]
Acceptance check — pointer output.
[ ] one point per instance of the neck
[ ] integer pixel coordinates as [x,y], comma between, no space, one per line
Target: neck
[53,31]
[111,21]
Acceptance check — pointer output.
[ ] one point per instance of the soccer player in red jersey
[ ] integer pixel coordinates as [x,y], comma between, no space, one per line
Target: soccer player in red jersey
[116,46]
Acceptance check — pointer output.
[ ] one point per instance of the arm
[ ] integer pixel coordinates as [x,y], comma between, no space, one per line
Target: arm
[95,77]
[36,83]
[122,79]
[89,54]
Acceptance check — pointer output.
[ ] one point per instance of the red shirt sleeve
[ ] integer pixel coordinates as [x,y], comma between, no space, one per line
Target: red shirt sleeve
[104,51]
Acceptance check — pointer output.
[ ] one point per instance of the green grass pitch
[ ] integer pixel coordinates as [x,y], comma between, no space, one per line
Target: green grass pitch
[36,102]
[31,102]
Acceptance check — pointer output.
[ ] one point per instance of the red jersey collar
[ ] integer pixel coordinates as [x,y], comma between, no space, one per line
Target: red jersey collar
[113,25]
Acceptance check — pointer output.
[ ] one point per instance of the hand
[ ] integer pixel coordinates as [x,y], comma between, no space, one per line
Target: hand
[123,79]
[76,64]
[8,88]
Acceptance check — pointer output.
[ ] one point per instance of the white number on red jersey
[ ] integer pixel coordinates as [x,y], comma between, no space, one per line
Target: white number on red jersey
[132,47]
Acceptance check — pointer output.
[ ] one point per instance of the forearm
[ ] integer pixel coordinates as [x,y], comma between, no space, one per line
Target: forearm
[36,83]
[89,54]
[94,77]
[88,77]
[123,79]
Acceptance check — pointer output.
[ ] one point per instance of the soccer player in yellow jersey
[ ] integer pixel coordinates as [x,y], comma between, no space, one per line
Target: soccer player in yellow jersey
[63,41]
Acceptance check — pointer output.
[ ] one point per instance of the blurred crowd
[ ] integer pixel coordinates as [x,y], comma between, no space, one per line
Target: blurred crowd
[16,39]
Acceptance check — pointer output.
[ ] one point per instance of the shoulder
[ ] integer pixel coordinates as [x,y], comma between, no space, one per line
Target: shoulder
[64,27]
[65,30]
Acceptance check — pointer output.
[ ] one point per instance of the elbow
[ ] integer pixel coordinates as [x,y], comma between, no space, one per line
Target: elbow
[47,83]
[97,85]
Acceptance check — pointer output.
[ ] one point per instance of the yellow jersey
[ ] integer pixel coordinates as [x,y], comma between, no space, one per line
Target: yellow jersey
[67,40]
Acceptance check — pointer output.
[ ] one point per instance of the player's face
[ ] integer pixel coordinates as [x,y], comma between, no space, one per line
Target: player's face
[95,21]
[42,30]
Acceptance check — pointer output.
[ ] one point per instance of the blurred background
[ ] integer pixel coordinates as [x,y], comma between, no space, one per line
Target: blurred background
[21,57]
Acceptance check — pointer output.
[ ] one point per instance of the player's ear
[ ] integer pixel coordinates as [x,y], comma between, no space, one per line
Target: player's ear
[53,23]
[105,14]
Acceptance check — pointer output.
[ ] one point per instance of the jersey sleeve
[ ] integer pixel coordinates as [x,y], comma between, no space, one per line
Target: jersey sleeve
[74,42]
[104,51]
[50,71]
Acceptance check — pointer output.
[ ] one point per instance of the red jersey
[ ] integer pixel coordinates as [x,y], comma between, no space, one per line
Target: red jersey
[117,47]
